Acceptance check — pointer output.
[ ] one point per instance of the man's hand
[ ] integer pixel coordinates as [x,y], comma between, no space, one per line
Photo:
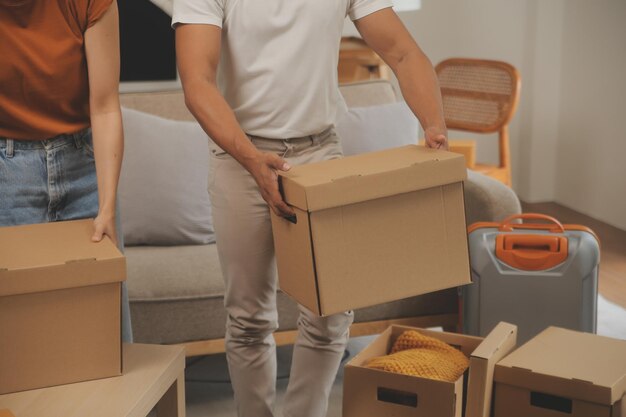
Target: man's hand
[263,169]
[104,224]
[436,138]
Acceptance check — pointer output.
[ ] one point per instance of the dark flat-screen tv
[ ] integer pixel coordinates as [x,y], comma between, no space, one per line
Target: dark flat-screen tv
[146,42]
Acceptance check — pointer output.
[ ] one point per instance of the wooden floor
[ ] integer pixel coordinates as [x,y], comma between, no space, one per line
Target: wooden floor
[613,248]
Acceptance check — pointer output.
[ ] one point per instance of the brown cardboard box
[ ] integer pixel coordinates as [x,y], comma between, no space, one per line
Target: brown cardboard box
[563,373]
[373,228]
[60,306]
[372,392]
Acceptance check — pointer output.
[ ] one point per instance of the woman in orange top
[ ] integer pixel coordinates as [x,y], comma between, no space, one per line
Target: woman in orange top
[59,77]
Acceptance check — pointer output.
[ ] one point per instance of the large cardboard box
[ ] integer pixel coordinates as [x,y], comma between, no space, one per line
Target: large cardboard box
[60,306]
[563,373]
[372,392]
[373,228]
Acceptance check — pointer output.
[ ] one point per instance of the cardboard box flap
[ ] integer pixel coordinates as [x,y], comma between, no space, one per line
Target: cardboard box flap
[499,343]
[570,364]
[49,256]
[503,337]
[371,175]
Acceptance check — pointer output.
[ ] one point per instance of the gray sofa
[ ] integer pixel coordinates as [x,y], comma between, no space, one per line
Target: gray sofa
[176,292]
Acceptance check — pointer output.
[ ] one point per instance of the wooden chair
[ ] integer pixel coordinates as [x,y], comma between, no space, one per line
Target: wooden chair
[481,96]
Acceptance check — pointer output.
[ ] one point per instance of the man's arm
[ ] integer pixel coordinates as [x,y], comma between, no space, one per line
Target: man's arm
[384,33]
[197,55]
[103,64]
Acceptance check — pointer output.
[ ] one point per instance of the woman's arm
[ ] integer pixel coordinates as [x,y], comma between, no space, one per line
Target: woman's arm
[103,63]
[384,33]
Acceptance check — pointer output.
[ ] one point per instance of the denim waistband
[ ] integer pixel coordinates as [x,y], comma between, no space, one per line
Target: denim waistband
[55,142]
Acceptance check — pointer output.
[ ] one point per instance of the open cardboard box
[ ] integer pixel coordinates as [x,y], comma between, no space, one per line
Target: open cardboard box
[372,392]
[60,306]
[373,228]
[563,373]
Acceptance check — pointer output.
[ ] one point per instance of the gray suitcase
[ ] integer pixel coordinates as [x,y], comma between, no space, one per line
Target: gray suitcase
[533,275]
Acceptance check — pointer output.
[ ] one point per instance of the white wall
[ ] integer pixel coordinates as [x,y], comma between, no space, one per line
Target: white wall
[591,174]
[566,140]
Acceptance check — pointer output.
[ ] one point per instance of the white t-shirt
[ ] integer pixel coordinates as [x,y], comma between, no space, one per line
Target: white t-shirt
[278,64]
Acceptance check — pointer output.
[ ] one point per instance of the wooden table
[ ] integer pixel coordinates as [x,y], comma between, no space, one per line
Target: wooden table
[154,375]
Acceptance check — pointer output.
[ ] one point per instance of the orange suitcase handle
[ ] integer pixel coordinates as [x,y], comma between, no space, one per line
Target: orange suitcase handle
[532,252]
[506,225]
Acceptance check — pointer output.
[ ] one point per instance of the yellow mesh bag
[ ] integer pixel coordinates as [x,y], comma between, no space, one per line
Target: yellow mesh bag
[419,355]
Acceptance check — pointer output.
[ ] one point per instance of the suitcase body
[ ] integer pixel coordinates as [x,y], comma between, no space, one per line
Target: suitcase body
[533,275]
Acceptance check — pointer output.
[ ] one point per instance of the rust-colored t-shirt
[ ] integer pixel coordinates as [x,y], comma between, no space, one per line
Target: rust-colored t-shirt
[44,89]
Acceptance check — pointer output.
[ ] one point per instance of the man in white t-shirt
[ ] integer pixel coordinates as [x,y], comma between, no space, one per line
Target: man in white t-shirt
[260,76]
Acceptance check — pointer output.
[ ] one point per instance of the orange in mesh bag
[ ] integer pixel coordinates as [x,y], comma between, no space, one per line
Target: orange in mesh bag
[419,355]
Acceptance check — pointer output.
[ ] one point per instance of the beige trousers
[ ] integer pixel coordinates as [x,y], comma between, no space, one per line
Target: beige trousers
[246,251]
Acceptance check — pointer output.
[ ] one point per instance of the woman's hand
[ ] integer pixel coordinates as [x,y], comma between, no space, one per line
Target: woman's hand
[104,224]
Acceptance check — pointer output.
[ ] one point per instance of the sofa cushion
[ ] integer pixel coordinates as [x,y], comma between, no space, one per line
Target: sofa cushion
[368,93]
[167,104]
[163,186]
[374,128]
[488,200]
[173,273]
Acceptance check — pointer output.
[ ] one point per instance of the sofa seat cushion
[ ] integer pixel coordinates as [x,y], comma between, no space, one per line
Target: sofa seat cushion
[173,272]
[177,295]
[488,200]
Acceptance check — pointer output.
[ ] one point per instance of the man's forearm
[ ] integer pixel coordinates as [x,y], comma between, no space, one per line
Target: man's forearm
[420,88]
[217,119]
[108,145]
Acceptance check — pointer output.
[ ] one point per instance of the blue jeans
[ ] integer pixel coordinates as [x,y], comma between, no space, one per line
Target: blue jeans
[52,180]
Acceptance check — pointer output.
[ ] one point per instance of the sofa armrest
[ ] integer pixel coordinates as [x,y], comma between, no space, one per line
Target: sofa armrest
[488,200]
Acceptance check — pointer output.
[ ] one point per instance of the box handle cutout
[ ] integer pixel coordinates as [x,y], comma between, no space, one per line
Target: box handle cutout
[551,402]
[71,261]
[291,219]
[388,395]
[347,177]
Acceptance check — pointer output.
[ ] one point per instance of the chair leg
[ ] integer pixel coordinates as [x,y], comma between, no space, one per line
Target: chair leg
[505,153]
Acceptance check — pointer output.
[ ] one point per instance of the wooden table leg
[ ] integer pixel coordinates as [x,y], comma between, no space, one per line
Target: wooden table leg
[172,404]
